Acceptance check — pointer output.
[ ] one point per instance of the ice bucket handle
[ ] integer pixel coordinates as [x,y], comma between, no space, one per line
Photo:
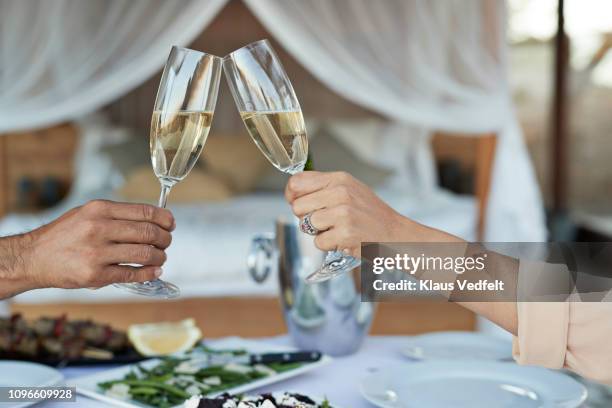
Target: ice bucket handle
[261,258]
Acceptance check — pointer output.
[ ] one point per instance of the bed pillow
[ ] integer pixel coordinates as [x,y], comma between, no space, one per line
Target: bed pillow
[131,153]
[235,159]
[94,171]
[142,185]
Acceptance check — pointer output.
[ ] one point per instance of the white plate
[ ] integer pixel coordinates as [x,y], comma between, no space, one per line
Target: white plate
[24,374]
[88,385]
[463,384]
[457,346]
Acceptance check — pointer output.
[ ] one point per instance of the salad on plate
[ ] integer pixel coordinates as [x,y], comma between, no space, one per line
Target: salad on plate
[285,400]
[173,380]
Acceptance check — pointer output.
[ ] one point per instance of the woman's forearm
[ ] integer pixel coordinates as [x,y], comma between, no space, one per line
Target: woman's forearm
[504,314]
[553,334]
[347,213]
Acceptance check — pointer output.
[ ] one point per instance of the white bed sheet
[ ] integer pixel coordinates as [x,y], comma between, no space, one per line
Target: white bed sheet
[211,241]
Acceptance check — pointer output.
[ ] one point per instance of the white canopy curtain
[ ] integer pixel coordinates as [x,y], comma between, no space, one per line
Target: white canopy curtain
[61,59]
[427,65]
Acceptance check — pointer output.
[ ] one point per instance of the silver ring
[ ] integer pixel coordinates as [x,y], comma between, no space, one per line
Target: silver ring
[306,225]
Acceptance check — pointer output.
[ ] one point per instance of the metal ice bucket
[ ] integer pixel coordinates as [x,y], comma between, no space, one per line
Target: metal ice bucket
[327,316]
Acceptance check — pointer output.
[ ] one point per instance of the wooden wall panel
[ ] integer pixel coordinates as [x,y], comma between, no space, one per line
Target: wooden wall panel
[485,155]
[254,317]
[36,155]
[475,154]
[3,177]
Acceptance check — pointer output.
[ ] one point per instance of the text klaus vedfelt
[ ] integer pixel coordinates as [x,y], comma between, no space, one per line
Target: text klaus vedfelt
[423,264]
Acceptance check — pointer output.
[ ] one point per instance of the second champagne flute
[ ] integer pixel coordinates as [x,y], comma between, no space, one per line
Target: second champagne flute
[181,120]
[273,117]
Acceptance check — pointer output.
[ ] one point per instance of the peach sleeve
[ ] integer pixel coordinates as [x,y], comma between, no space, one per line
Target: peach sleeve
[542,334]
[573,335]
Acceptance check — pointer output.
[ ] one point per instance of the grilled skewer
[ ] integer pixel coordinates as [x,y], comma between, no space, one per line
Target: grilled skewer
[59,338]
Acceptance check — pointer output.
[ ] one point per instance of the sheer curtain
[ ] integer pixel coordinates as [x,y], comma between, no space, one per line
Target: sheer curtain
[61,59]
[426,65]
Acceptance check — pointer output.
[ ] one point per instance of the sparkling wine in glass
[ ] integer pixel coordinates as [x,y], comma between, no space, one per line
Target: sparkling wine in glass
[281,137]
[273,117]
[181,120]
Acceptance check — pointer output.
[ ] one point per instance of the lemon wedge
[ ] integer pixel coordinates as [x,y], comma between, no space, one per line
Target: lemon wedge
[160,339]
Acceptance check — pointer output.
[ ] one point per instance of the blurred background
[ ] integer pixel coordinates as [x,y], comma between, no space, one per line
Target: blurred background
[578,180]
[559,72]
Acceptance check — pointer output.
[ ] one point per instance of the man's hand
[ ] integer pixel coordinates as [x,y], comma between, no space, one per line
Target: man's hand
[86,247]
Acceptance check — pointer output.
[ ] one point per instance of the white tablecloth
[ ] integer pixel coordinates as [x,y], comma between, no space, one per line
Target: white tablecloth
[338,381]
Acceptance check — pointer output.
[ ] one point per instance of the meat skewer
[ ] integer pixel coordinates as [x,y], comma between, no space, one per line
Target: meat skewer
[58,338]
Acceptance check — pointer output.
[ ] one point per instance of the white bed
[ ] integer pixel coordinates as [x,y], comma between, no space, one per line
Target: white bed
[210,243]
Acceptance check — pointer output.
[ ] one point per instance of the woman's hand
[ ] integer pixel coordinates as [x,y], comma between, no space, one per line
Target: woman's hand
[347,212]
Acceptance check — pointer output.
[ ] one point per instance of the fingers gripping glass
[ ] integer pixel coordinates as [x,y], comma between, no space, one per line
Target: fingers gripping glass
[181,120]
[273,117]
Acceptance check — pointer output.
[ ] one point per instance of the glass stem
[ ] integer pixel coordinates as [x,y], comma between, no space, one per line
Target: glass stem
[296,171]
[163,196]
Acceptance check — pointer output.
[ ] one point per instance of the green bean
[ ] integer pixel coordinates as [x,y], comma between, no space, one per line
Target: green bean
[166,387]
[144,390]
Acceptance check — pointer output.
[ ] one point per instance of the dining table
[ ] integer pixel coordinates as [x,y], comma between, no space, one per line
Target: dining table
[338,381]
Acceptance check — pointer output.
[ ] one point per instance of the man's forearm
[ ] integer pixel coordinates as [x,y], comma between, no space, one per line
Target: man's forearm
[14,265]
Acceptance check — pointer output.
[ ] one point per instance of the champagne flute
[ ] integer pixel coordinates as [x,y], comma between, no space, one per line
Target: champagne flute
[181,120]
[273,117]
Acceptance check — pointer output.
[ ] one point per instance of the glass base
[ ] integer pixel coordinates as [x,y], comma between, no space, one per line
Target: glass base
[336,263]
[156,288]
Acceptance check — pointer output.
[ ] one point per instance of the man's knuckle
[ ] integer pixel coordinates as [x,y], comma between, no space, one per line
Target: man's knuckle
[96,206]
[138,276]
[91,276]
[141,253]
[146,253]
[148,232]
[127,275]
[89,228]
[73,282]
[123,275]
[89,256]
[148,211]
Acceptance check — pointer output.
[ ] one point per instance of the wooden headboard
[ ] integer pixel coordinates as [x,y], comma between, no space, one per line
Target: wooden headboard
[50,152]
[475,154]
[35,154]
